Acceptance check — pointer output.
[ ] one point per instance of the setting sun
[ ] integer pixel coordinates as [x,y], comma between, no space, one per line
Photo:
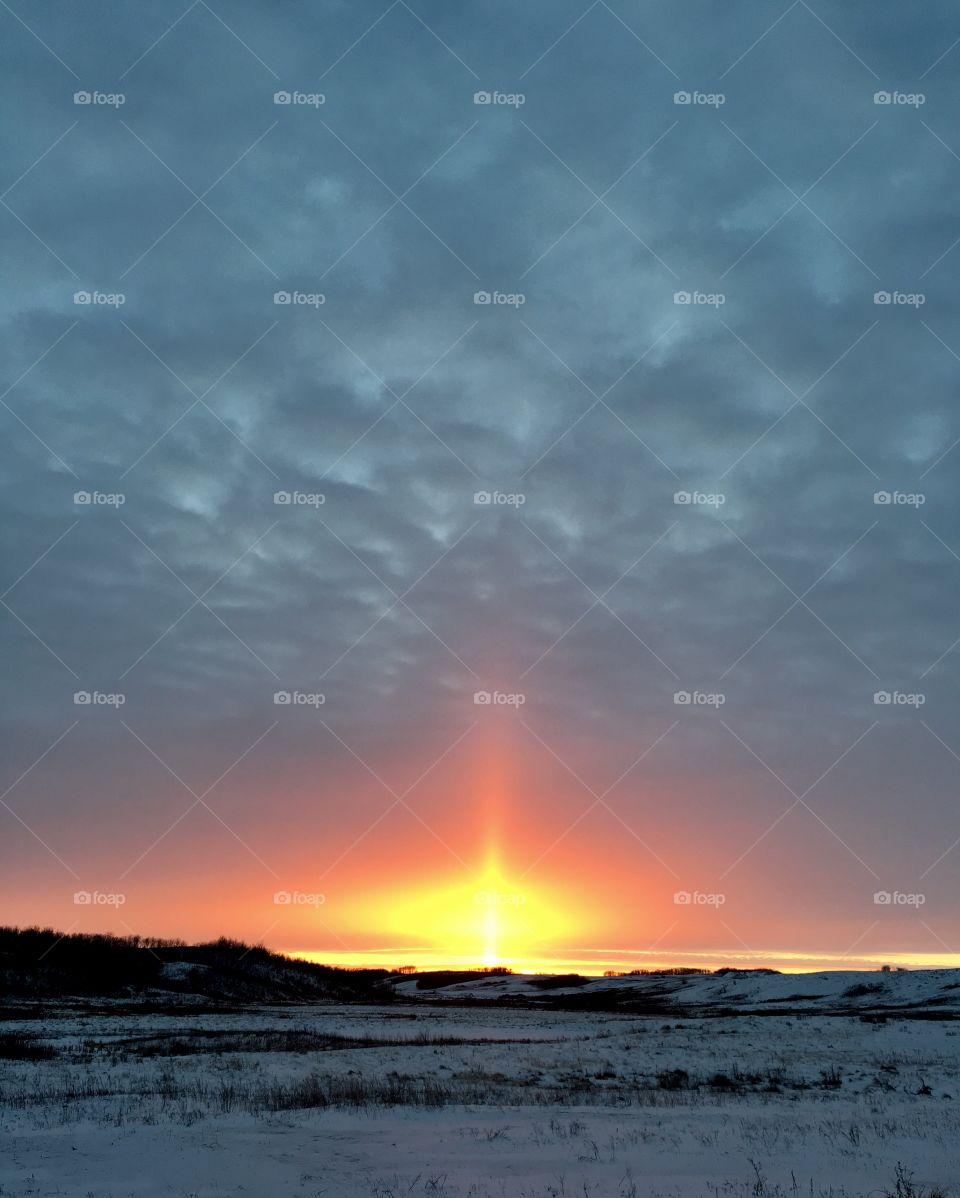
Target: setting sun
[492,919]
[479,577]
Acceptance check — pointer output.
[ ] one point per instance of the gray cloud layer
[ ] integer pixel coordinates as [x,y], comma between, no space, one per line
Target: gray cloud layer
[399,398]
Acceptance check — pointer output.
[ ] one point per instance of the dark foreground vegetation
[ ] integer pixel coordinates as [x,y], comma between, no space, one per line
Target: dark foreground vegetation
[47,971]
[39,963]
[44,964]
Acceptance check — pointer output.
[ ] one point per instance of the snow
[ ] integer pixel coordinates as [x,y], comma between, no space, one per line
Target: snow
[534,1103]
[180,971]
[744,990]
[486,1154]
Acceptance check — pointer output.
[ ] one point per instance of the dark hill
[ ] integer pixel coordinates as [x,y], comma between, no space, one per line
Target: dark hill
[39,963]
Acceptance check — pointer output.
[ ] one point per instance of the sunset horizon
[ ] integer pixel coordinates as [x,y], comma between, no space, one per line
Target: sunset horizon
[479,559]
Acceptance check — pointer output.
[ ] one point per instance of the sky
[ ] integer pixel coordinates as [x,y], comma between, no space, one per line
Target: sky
[480,483]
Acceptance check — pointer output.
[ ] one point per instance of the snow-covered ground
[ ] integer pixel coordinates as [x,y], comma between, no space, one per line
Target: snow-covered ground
[467,1102]
[736,990]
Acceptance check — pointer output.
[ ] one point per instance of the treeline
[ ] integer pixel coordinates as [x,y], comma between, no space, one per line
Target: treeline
[42,962]
[683,971]
[676,971]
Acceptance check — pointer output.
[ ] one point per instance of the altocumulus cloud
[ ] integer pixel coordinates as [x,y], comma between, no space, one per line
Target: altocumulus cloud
[722,328]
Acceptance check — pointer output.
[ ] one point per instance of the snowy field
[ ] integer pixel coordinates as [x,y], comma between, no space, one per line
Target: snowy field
[413,1099]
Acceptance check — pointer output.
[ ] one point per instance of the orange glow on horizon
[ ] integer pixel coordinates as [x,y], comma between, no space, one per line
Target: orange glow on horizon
[490,920]
[489,913]
[596,962]
[503,859]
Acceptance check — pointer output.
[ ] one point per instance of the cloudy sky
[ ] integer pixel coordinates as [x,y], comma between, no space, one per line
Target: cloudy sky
[717,249]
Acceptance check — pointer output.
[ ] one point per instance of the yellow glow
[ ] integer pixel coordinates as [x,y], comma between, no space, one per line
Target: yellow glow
[490,920]
[597,961]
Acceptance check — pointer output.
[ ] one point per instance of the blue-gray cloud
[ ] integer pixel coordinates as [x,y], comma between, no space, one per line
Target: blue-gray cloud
[598,200]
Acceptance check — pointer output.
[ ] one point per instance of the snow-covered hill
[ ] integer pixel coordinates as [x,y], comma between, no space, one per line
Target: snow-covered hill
[930,992]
